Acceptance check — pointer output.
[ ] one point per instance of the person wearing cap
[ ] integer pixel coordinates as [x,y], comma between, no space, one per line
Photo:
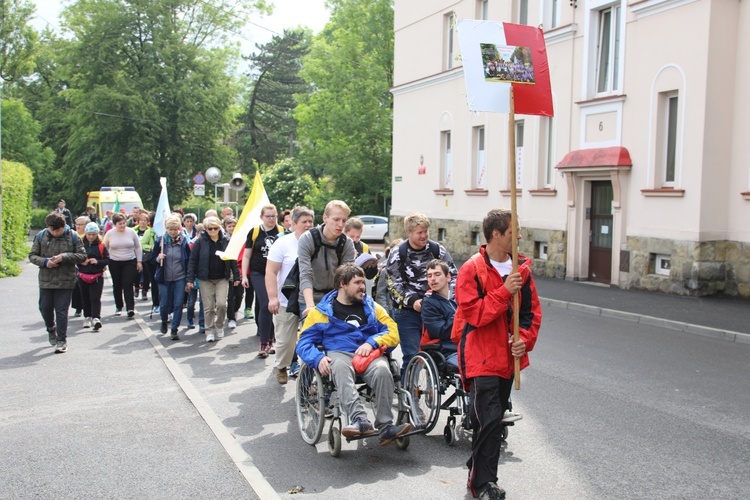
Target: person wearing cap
[91,276]
[65,213]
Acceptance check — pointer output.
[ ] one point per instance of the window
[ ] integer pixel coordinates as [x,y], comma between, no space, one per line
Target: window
[523,11]
[482,9]
[660,264]
[551,14]
[442,234]
[671,143]
[519,152]
[548,137]
[449,22]
[446,170]
[608,51]
[480,160]
[542,251]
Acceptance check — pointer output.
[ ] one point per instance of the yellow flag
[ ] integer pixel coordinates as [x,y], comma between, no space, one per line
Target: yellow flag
[250,218]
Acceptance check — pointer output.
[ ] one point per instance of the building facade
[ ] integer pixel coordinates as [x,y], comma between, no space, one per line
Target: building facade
[638,181]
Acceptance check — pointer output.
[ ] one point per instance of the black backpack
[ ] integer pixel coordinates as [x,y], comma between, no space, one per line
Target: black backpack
[290,288]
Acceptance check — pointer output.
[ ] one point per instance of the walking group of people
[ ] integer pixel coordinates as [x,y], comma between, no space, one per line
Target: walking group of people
[308,284]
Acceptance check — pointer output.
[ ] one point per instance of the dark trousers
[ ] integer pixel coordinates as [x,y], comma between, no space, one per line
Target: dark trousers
[234,300]
[77,299]
[489,398]
[263,317]
[409,324]
[149,269]
[54,304]
[91,296]
[249,294]
[124,274]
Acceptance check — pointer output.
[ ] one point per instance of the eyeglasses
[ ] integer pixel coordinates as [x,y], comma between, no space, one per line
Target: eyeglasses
[270,216]
[212,229]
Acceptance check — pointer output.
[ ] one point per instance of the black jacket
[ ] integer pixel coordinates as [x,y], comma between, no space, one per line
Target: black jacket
[198,266]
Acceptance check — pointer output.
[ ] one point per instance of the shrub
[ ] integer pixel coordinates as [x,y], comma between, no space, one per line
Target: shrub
[16,192]
[37,217]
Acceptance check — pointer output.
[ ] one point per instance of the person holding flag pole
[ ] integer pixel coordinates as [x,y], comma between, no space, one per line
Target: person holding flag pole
[498,276]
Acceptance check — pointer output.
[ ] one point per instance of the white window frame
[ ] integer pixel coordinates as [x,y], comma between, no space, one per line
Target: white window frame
[659,261]
[483,10]
[670,124]
[450,39]
[480,157]
[547,134]
[592,55]
[551,14]
[522,11]
[446,160]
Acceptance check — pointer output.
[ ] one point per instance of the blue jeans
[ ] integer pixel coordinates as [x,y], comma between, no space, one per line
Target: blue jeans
[171,293]
[409,324]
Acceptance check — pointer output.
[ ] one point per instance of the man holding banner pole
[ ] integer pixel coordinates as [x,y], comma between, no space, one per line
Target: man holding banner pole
[519,83]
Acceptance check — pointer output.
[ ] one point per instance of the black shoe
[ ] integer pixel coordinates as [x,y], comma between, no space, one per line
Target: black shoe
[174,335]
[131,313]
[491,491]
[62,346]
[163,327]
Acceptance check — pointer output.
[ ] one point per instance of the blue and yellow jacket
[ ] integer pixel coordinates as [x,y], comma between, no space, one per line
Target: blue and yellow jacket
[323,328]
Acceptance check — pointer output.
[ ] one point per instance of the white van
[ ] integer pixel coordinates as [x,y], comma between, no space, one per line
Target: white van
[105,199]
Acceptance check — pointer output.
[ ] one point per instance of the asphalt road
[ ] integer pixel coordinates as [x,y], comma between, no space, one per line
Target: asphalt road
[612,409]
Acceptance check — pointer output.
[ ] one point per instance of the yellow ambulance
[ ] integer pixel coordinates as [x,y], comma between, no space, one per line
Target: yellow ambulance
[105,198]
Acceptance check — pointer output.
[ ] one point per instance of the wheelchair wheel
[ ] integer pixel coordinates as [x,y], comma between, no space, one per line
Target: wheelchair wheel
[402,442]
[310,404]
[422,383]
[449,435]
[334,441]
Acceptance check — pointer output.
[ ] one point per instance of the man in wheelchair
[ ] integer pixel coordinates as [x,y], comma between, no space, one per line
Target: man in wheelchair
[438,310]
[347,323]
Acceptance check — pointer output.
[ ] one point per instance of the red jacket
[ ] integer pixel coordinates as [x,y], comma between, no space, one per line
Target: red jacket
[484,323]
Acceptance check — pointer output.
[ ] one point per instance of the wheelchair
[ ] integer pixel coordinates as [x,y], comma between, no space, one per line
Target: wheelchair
[427,380]
[316,396]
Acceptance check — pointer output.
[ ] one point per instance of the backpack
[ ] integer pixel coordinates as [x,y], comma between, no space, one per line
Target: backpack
[290,288]
[459,322]
[74,238]
[256,232]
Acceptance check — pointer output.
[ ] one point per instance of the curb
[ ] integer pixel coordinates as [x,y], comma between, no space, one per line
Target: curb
[704,331]
[237,454]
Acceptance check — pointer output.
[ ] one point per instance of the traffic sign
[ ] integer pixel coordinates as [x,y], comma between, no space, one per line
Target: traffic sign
[199,190]
[199,178]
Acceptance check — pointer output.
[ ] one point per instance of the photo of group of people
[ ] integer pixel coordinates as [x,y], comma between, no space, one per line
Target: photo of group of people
[507,64]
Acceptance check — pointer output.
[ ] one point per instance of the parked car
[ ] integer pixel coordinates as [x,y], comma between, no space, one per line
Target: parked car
[375,228]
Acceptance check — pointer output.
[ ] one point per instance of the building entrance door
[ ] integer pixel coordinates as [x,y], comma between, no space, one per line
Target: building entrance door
[600,232]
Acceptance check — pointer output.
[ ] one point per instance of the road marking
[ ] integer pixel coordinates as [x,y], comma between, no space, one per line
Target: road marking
[239,456]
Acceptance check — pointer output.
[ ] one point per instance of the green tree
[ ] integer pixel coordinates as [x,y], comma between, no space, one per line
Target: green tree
[21,142]
[287,185]
[345,122]
[268,126]
[149,92]
[17,39]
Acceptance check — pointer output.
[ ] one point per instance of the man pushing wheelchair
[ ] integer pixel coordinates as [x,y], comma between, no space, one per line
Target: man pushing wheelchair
[354,331]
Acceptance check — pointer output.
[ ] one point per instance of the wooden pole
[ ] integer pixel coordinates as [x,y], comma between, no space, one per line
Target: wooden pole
[514,226]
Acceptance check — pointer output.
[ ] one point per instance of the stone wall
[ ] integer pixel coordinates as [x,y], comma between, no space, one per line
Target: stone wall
[462,239]
[697,268]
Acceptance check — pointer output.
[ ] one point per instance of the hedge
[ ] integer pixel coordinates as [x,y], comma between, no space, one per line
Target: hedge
[17,184]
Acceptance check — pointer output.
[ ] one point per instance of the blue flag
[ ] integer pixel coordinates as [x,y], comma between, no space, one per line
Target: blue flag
[162,210]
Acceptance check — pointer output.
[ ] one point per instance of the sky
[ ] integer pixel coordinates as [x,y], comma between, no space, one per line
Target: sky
[287,14]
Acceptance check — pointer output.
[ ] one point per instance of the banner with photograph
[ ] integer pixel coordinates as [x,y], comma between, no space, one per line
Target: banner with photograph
[497,56]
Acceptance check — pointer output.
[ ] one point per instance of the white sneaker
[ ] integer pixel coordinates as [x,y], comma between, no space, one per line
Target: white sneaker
[87,323]
[232,324]
[510,416]
[210,337]
[219,333]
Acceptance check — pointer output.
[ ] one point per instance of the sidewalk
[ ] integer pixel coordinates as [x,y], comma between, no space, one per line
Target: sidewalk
[106,419]
[718,317]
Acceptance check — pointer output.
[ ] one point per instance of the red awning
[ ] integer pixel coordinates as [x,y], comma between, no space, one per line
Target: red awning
[596,158]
